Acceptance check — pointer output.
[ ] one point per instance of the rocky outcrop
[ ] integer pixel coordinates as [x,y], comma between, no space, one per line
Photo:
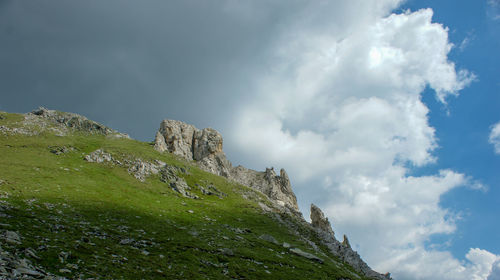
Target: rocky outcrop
[205,147]
[320,222]
[72,121]
[342,250]
[276,187]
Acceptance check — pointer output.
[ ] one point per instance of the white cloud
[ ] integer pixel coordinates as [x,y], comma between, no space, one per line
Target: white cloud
[495,137]
[495,271]
[341,110]
[493,10]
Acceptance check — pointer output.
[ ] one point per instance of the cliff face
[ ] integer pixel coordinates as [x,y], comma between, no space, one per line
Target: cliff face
[205,147]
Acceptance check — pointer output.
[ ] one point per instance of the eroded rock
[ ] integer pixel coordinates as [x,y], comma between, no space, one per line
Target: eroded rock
[319,221]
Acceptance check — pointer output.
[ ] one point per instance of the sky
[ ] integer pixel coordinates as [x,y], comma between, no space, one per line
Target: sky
[385,113]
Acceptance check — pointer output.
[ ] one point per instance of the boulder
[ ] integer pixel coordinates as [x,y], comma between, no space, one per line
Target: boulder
[306,255]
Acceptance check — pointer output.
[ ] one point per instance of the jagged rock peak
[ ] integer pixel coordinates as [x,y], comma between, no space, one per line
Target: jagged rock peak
[319,221]
[345,242]
[205,147]
[277,188]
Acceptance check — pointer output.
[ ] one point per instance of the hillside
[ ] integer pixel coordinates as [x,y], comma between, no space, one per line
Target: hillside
[79,200]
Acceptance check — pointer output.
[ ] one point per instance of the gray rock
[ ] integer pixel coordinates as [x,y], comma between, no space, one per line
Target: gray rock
[342,250]
[319,221]
[306,255]
[277,188]
[345,242]
[71,121]
[206,148]
[142,169]
[27,271]
[12,237]
[269,238]
[226,251]
[160,144]
[99,156]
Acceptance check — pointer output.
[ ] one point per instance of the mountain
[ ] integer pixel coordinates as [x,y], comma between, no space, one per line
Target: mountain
[79,200]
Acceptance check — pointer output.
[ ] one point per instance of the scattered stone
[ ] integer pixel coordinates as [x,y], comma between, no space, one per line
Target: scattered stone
[27,271]
[99,156]
[59,150]
[31,253]
[190,211]
[64,270]
[142,169]
[126,241]
[286,245]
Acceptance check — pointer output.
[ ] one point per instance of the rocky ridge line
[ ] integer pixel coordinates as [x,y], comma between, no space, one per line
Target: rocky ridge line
[205,148]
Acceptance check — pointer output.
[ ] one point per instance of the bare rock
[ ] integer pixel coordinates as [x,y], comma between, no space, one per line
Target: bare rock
[345,242]
[269,238]
[142,169]
[306,255]
[72,121]
[99,156]
[319,221]
[160,144]
[277,188]
[12,237]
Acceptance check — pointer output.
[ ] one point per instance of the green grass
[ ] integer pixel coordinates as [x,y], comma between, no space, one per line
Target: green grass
[77,215]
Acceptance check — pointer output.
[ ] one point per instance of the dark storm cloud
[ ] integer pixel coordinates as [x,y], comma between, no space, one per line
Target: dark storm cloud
[130,64]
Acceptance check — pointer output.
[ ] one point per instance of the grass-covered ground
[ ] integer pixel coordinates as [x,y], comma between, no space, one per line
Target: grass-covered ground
[95,220]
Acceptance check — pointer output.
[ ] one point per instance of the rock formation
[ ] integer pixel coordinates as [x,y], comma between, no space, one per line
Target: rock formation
[343,250]
[205,147]
[319,221]
[73,121]
[277,188]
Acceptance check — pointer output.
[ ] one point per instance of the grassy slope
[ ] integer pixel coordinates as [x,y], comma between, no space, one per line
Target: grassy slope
[74,214]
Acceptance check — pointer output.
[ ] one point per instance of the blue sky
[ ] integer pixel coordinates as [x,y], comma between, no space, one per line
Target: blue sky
[381,111]
[463,126]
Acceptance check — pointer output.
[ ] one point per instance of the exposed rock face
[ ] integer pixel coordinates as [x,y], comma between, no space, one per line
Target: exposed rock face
[185,140]
[343,250]
[319,221]
[72,121]
[277,188]
[160,144]
[205,147]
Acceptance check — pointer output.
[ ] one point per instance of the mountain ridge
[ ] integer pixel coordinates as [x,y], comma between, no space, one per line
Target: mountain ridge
[204,148]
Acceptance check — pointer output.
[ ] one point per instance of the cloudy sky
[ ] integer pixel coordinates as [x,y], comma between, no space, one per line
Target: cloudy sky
[385,113]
